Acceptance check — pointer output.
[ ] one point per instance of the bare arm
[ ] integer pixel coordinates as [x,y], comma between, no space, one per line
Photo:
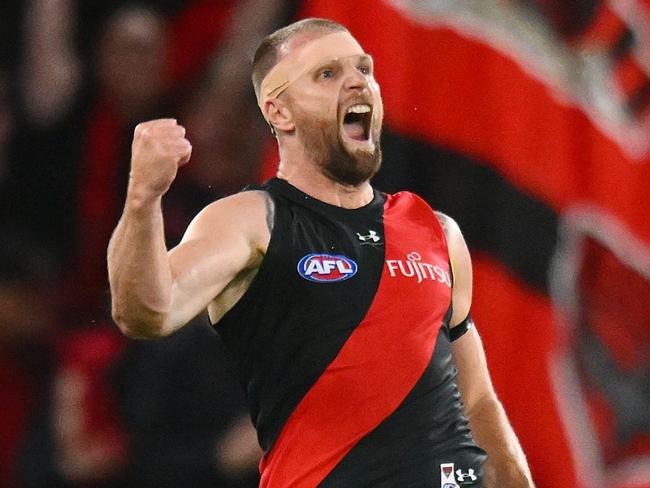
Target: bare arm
[506,466]
[154,292]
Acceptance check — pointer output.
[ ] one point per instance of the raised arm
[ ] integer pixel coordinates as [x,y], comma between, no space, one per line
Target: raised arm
[154,292]
[506,466]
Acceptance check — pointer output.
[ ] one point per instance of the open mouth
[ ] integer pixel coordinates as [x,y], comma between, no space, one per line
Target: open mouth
[356,122]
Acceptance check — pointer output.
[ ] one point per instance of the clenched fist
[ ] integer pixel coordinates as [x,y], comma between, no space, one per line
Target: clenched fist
[159,148]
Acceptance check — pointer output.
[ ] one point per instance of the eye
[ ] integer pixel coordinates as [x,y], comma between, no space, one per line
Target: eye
[365,70]
[326,73]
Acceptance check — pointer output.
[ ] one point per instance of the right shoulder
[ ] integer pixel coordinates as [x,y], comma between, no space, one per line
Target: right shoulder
[249,213]
[246,204]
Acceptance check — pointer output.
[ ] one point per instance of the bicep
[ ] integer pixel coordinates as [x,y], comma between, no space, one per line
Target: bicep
[220,243]
[473,377]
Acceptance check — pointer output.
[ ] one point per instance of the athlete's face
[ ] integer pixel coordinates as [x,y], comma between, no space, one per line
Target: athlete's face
[337,112]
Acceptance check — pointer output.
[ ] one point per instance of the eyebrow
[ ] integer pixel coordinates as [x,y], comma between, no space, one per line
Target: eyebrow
[361,57]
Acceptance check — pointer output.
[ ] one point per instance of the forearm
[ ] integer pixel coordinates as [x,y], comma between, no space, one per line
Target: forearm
[506,466]
[138,269]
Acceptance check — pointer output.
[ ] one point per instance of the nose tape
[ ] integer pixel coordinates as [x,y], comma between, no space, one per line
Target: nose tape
[339,46]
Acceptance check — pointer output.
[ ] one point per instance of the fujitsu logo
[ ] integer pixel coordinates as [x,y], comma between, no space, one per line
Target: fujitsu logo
[413,267]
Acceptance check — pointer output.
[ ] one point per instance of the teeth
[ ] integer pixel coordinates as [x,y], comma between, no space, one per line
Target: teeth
[360,108]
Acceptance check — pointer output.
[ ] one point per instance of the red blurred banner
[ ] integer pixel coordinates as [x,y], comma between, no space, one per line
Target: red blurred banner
[562,118]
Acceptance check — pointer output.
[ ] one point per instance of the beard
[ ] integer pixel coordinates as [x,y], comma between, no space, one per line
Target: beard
[324,144]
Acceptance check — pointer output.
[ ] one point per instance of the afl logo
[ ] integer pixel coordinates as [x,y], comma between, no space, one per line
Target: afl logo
[326,268]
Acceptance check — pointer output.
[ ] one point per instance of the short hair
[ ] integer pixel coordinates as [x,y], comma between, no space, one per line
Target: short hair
[267,54]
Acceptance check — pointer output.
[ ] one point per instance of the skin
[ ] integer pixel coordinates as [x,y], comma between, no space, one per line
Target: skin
[155,292]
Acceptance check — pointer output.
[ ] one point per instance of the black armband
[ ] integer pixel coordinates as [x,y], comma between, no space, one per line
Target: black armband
[459,330]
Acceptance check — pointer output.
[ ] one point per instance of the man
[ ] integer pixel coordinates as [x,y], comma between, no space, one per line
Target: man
[339,302]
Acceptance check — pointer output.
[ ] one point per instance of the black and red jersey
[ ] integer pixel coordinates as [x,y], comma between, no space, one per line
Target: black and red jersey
[342,342]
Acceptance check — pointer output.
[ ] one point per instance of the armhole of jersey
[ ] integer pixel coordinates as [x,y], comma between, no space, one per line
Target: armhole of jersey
[451,270]
[458,331]
[261,275]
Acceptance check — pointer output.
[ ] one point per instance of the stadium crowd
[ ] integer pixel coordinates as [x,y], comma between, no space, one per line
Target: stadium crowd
[82,405]
[525,120]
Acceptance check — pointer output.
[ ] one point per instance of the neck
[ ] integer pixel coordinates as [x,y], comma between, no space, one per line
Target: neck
[303,173]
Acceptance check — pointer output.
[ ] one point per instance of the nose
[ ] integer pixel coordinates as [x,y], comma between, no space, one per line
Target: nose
[354,79]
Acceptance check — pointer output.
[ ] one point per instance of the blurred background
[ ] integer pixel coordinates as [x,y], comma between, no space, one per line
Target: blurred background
[528,121]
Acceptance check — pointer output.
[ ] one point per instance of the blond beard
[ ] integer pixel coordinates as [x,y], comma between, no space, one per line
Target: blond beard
[323,143]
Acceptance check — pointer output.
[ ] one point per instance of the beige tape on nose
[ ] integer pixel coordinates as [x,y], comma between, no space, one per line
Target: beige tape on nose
[295,64]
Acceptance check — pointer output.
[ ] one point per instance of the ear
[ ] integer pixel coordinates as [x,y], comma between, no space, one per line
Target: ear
[279,115]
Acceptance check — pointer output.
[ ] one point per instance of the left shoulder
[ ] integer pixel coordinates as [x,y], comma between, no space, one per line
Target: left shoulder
[445,220]
[413,200]
[456,245]
[450,227]
[420,206]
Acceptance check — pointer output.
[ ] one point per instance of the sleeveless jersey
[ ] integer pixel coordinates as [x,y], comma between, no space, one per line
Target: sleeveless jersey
[342,344]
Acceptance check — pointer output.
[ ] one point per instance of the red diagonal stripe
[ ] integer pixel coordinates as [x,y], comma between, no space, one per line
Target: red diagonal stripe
[378,365]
